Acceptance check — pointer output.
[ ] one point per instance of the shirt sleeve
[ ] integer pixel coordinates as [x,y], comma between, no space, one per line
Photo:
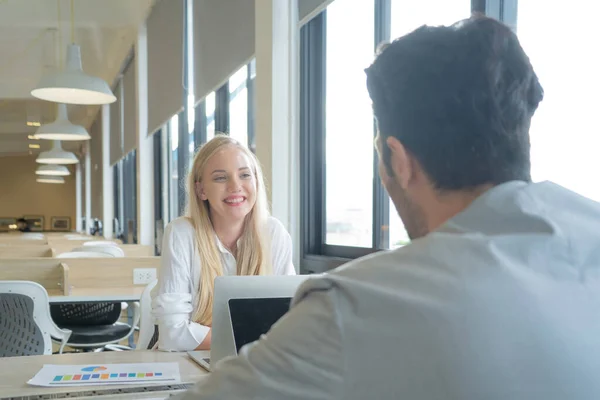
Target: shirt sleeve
[300,358]
[172,306]
[281,247]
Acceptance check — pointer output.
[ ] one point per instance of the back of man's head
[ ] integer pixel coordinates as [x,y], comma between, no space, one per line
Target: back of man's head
[460,99]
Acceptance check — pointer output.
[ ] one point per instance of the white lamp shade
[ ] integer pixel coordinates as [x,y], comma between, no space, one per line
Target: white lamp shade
[57,156]
[73,86]
[50,179]
[62,128]
[52,170]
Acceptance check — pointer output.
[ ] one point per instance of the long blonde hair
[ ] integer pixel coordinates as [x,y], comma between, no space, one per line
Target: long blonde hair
[253,252]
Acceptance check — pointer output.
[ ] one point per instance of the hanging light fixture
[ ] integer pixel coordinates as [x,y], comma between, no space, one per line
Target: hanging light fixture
[52,170]
[57,155]
[62,128]
[50,179]
[73,86]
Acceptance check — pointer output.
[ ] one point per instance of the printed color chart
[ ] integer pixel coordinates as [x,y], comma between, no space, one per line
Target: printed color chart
[122,374]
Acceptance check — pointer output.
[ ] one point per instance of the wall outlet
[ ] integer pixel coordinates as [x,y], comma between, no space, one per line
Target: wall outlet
[143,276]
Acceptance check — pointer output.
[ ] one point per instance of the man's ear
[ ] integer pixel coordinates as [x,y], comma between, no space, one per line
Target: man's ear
[199,188]
[400,162]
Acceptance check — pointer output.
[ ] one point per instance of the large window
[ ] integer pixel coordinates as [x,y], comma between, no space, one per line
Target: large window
[210,107]
[125,198]
[349,123]
[238,105]
[565,129]
[129,170]
[345,211]
[173,135]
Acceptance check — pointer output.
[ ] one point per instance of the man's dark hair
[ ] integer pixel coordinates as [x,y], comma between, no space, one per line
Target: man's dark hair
[460,99]
[23,220]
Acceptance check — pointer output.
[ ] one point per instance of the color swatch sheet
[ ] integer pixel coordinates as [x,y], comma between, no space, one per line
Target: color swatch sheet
[121,374]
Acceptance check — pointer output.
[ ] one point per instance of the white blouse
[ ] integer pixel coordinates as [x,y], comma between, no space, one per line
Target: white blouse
[179,281]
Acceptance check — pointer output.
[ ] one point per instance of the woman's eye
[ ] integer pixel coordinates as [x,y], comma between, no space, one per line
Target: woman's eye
[219,178]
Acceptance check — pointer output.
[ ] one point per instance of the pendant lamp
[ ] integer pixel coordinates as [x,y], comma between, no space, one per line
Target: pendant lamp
[57,155]
[62,128]
[50,179]
[73,86]
[52,170]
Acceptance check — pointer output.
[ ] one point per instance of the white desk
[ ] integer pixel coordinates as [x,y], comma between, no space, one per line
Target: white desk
[16,371]
[108,294]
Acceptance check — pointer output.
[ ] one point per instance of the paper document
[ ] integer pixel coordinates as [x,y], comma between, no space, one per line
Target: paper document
[120,374]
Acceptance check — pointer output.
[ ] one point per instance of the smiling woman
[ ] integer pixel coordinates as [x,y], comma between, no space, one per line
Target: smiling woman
[227,230]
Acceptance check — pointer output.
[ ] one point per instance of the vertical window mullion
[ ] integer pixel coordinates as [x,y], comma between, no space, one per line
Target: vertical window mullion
[381,201]
[222,109]
[312,136]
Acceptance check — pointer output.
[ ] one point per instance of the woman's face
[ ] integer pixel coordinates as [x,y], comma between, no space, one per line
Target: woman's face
[229,184]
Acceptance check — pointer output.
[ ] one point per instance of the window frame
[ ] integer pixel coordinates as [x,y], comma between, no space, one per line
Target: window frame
[316,255]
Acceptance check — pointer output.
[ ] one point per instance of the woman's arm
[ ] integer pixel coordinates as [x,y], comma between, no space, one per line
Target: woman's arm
[205,345]
[173,306]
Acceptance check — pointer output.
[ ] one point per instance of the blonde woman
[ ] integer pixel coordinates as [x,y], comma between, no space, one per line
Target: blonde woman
[226,230]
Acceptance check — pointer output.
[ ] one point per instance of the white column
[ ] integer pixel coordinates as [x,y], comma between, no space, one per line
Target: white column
[88,188]
[108,201]
[277,91]
[78,189]
[145,145]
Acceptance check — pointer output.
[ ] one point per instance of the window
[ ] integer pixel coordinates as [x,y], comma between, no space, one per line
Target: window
[210,103]
[191,121]
[173,134]
[349,125]
[408,15]
[345,211]
[564,129]
[238,106]
[129,172]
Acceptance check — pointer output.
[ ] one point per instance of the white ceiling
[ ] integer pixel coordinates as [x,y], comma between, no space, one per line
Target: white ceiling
[29,43]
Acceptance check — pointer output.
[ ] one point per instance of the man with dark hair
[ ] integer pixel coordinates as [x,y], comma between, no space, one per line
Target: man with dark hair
[498,295]
[23,225]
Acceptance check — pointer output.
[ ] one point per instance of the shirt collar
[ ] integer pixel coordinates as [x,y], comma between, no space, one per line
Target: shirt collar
[221,247]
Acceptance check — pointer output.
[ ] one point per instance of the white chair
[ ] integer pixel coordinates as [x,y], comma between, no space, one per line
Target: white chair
[95,326]
[84,254]
[146,320]
[26,327]
[114,251]
[101,243]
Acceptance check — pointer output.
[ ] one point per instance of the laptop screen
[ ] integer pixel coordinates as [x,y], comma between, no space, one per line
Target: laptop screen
[251,318]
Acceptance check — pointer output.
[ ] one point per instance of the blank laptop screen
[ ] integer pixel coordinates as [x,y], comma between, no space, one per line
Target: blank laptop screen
[251,318]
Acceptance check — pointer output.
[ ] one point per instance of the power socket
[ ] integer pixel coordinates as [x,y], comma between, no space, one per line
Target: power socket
[142,276]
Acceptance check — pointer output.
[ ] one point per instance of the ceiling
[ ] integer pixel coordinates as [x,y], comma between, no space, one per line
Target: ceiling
[32,44]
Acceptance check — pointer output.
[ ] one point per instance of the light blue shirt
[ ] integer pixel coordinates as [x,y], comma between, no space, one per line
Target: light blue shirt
[502,302]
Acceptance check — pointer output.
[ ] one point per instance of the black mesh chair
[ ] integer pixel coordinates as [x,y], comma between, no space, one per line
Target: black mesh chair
[95,326]
[25,324]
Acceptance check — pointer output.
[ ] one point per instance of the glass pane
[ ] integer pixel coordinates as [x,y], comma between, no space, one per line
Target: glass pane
[407,15]
[191,122]
[174,181]
[210,116]
[565,130]
[349,125]
[238,114]
[238,79]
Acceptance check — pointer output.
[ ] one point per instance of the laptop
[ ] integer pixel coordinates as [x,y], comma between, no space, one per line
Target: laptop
[250,319]
[235,287]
